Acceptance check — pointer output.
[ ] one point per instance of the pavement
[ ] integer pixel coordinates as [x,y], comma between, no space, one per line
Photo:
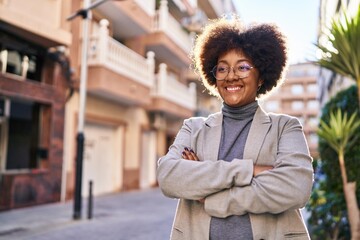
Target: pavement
[143,214]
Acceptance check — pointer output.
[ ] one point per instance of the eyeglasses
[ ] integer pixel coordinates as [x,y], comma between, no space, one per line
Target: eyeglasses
[221,71]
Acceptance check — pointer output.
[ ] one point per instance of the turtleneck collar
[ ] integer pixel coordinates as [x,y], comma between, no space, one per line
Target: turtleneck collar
[240,113]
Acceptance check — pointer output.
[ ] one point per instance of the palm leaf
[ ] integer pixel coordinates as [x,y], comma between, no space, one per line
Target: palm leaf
[338,133]
[344,37]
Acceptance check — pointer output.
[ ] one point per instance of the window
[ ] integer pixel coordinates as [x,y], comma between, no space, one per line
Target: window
[19,57]
[297,105]
[23,132]
[313,88]
[297,89]
[313,104]
[3,112]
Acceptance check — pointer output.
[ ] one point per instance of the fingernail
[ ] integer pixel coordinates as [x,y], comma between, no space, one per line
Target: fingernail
[183,153]
[191,151]
[186,149]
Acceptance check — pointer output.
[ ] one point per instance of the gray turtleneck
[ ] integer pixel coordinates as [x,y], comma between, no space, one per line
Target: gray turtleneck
[235,129]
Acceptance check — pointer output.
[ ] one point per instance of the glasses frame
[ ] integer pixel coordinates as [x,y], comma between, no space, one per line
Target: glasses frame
[213,71]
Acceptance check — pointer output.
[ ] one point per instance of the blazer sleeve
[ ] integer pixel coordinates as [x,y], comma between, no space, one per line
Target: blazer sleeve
[194,180]
[287,186]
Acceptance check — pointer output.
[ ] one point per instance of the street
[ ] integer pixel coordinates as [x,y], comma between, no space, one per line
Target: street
[137,215]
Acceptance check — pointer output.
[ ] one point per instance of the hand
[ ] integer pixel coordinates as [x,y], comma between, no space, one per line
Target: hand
[261,168]
[189,154]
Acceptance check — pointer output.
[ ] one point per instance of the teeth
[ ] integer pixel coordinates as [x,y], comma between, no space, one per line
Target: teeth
[233,88]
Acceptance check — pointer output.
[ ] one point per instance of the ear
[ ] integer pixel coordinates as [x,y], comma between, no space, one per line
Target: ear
[261,82]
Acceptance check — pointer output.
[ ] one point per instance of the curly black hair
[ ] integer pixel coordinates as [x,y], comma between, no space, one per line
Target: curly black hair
[263,44]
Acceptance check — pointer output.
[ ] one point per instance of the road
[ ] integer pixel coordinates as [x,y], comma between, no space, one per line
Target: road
[138,215]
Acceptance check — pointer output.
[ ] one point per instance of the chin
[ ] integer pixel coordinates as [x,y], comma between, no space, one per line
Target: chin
[234,104]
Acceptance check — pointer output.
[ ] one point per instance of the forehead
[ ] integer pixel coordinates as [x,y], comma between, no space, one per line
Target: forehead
[233,56]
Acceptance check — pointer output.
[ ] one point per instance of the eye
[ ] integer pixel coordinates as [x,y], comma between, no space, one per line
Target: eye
[222,69]
[243,67]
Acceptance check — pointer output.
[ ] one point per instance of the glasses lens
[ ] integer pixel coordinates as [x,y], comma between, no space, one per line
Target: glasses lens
[220,72]
[241,70]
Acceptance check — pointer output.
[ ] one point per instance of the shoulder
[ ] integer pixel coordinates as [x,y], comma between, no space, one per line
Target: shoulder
[203,121]
[284,119]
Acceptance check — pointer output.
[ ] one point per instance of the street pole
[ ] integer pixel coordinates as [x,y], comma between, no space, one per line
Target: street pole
[80,138]
[85,13]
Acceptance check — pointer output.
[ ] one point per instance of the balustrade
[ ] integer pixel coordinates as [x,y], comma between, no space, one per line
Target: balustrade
[110,53]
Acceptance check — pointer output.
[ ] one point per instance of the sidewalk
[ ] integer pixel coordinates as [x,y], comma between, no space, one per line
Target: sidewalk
[19,223]
[37,217]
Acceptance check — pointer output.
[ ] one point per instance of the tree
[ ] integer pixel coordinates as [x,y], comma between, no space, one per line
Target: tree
[327,206]
[341,52]
[338,133]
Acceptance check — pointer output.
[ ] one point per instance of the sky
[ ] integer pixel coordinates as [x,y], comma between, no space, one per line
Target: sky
[297,19]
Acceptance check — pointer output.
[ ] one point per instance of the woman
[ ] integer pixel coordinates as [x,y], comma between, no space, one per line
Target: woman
[241,173]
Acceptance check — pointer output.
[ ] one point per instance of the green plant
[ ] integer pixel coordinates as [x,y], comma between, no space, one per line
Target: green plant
[341,52]
[338,132]
[339,135]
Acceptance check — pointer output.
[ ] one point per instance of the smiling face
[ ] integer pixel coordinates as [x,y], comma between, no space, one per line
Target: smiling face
[236,91]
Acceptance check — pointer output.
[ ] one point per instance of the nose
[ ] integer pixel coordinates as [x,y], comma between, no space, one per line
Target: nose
[231,73]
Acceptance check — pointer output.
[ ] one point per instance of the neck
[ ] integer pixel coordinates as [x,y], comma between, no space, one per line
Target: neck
[240,113]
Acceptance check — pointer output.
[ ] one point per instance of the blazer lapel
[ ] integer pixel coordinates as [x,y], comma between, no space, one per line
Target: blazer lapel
[258,130]
[211,143]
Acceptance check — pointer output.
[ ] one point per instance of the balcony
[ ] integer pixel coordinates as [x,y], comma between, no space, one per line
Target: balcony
[116,72]
[171,96]
[131,18]
[168,39]
[166,23]
[213,9]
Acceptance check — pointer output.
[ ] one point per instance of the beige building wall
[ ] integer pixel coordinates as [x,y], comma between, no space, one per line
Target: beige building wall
[28,17]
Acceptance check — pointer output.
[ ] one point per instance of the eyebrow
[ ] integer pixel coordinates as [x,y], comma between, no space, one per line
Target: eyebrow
[237,62]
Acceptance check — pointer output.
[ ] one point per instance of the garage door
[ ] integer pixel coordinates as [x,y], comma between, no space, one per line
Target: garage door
[102,159]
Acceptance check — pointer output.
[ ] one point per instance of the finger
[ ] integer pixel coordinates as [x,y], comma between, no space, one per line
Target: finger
[184,155]
[188,154]
[194,156]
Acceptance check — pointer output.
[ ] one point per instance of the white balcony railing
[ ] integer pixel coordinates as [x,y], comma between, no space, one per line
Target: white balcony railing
[110,53]
[163,21]
[169,88]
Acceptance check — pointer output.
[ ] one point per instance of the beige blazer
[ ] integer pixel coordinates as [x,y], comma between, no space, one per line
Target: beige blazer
[272,198]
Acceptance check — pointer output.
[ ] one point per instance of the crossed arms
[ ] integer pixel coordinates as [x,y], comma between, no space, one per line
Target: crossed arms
[239,186]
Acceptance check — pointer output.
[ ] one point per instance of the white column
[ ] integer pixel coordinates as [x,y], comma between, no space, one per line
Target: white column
[3,60]
[161,84]
[102,48]
[24,66]
[163,14]
[150,61]
[192,90]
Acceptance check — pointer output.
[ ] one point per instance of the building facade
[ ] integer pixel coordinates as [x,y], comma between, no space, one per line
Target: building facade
[34,85]
[298,97]
[140,87]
